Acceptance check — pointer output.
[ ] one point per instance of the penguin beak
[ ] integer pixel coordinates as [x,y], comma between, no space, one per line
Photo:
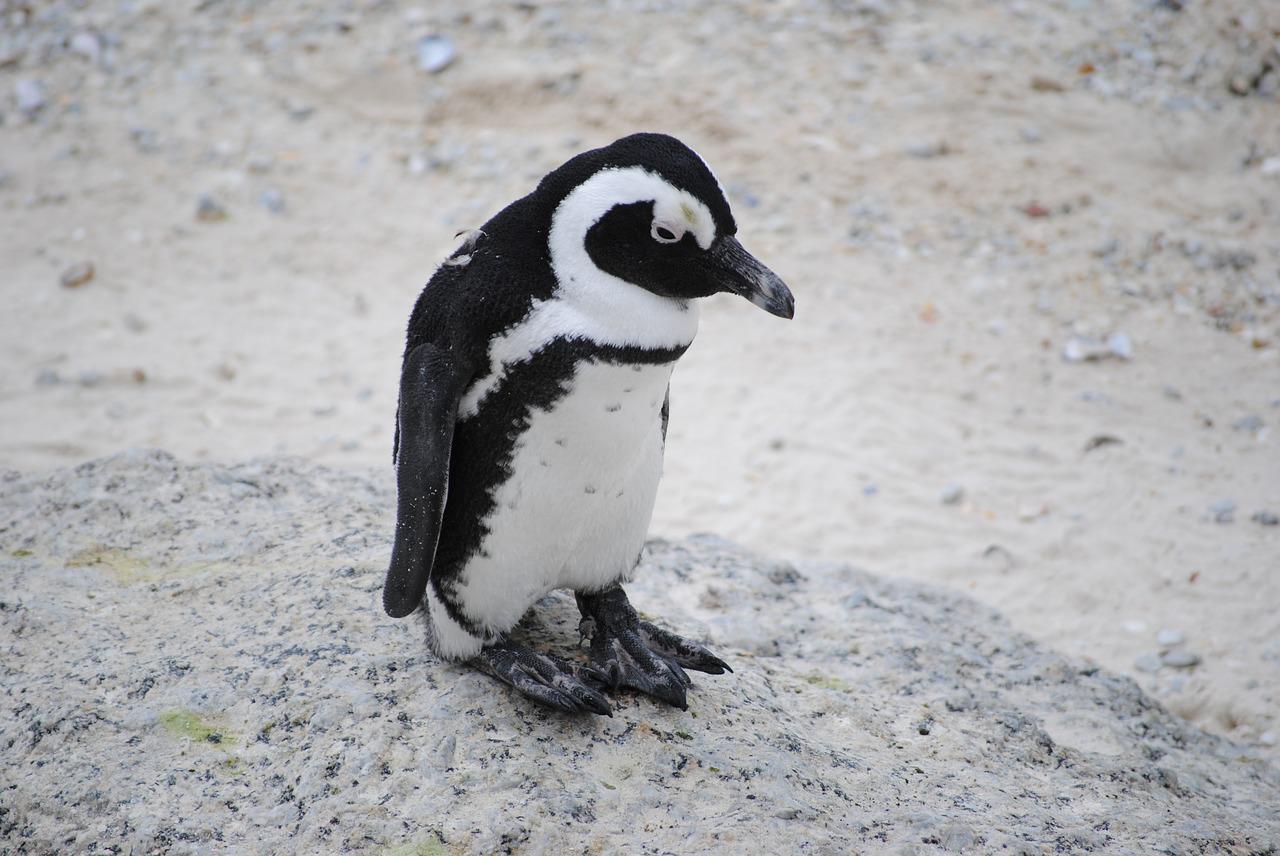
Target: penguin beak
[735,270]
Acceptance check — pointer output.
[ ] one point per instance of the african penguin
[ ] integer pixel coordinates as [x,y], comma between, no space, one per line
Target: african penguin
[533,412]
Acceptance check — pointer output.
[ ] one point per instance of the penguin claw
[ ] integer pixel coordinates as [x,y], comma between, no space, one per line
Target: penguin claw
[547,680]
[686,652]
[638,655]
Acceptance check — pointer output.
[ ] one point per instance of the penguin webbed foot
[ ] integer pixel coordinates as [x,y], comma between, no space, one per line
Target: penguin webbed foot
[544,678]
[639,655]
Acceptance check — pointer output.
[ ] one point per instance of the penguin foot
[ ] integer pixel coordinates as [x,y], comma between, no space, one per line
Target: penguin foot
[546,679]
[636,654]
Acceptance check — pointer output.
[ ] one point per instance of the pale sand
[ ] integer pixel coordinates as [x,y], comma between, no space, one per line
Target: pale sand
[932,311]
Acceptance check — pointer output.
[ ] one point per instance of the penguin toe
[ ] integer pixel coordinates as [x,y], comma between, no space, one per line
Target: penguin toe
[686,652]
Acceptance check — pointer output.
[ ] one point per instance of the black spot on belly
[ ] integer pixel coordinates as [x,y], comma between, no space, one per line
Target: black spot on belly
[588,489]
[612,408]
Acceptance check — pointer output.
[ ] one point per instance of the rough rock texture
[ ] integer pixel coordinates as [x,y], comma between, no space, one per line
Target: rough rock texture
[195,661]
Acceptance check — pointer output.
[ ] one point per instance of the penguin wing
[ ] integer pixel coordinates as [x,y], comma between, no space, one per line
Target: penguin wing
[431,384]
[666,413]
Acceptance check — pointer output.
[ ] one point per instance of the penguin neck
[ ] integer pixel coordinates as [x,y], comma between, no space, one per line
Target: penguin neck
[597,305]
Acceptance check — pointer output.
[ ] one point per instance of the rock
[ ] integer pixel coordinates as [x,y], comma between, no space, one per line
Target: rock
[1252,424]
[305,720]
[1148,663]
[272,200]
[1089,349]
[1097,441]
[1223,511]
[1120,345]
[77,275]
[29,95]
[1266,518]
[1170,638]
[435,53]
[1180,659]
[952,494]
[86,44]
[208,210]
[1046,84]
[926,149]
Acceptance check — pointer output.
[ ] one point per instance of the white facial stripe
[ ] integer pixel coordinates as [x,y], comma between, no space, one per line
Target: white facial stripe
[591,200]
[589,303]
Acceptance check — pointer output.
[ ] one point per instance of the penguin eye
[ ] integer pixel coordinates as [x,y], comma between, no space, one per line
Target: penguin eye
[662,234]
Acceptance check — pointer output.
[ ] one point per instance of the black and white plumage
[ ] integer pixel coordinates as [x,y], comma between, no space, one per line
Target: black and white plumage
[533,410]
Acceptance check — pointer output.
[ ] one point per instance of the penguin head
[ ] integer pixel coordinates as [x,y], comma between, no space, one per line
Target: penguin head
[646,210]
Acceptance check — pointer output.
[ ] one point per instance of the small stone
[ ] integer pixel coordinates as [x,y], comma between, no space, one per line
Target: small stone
[1120,345]
[436,53]
[1134,627]
[926,149]
[1179,659]
[1031,134]
[30,96]
[272,200]
[1172,393]
[1266,518]
[1267,738]
[77,275]
[1097,441]
[1170,638]
[1251,423]
[952,494]
[87,45]
[870,490]
[1046,84]
[1223,511]
[1270,166]
[209,211]
[134,323]
[298,111]
[1148,663]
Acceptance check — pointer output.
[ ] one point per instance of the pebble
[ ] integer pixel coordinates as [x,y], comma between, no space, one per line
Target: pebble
[1223,511]
[1088,349]
[77,275]
[209,211]
[926,149]
[1266,518]
[1252,423]
[1120,345]
[1170,638]
[436,53]
[30,96]
[952,494]
[87,45]
[1148,663]
[272,200]
[1135,627]
[1179,659]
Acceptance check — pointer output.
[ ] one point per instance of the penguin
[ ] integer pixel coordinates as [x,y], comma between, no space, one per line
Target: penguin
[533,409]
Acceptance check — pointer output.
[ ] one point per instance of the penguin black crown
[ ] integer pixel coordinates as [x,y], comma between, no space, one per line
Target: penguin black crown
[533,414]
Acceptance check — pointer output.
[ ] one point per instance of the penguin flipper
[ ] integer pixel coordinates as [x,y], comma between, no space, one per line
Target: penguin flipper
[431,384]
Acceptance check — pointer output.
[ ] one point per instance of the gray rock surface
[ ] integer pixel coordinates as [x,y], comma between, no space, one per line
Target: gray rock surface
[195,661]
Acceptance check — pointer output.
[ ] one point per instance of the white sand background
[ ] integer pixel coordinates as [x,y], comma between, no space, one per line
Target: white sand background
[953,190]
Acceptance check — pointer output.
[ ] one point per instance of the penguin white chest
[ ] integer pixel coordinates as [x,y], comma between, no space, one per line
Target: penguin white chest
[576,508]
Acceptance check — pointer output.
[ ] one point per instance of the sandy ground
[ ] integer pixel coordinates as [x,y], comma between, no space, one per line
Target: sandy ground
[959,194]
